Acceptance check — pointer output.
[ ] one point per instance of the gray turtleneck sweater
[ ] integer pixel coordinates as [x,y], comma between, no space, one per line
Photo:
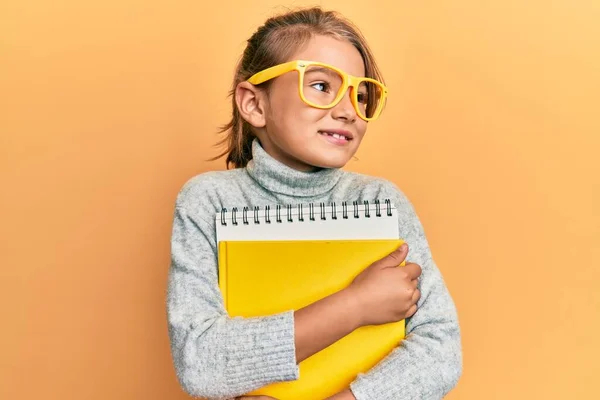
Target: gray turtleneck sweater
[219,357]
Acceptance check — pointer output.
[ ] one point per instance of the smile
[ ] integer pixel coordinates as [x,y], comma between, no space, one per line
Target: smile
[336,135]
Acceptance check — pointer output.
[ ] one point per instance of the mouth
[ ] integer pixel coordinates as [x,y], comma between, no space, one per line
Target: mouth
[337,134]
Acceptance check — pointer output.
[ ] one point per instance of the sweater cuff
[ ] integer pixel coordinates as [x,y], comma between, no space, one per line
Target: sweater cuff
[364,390]
[376,386]
[265,353]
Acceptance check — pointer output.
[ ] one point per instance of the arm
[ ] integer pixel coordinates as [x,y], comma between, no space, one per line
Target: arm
[324,323]
[211,351]
[344,395]
[428,362]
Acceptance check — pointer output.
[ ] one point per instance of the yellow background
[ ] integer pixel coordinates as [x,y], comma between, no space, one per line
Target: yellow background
[492,130]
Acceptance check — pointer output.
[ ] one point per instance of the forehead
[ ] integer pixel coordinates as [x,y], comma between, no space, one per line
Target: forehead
[339,53]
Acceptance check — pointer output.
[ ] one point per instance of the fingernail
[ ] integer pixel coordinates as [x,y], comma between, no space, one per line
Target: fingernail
[403,247]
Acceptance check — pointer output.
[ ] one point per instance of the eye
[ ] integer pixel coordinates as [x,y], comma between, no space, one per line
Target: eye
[321,86]
[362,97]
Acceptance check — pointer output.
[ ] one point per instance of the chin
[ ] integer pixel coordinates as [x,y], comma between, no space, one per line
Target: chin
[329,162]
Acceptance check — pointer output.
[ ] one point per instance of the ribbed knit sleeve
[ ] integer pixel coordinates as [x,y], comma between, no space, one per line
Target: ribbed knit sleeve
[428,362]
[215,356]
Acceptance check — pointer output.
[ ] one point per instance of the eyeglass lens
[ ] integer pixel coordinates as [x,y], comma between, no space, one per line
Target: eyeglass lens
[322,85]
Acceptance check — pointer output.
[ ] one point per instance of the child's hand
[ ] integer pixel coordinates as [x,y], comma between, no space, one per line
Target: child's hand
[385,292]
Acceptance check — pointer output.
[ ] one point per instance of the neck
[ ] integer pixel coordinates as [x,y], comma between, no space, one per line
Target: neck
[282,179]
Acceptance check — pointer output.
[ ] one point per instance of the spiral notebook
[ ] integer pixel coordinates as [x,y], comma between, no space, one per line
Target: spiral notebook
[275,259]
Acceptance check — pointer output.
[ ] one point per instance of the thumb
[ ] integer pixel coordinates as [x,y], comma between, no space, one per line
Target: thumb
[395,258]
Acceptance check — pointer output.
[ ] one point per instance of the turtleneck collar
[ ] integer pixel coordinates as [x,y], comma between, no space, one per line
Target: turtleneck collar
[279,178]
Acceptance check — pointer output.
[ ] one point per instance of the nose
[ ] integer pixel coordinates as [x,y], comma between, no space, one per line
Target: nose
[344,110]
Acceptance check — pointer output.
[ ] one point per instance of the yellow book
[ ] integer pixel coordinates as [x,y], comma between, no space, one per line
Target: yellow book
[264,277]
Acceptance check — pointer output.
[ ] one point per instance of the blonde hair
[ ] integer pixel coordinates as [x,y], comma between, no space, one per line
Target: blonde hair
[273,43]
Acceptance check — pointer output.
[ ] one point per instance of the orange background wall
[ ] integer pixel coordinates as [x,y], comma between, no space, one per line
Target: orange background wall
[492,130]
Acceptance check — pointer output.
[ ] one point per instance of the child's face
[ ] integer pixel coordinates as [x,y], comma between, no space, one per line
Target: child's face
[296,133]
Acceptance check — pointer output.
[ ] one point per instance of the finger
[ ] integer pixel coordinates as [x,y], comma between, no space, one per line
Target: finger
[395,258]
[416,296]
[411,311]
[412,270]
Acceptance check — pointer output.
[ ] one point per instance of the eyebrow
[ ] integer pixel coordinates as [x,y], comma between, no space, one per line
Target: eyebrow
[321,69]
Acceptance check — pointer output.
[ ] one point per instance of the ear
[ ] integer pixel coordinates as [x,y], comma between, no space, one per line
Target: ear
[250,104]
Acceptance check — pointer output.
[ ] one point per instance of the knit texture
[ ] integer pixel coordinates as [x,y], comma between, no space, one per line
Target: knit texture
[219,357]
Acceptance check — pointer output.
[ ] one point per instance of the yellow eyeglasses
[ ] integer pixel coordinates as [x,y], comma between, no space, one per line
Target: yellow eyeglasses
[323,86]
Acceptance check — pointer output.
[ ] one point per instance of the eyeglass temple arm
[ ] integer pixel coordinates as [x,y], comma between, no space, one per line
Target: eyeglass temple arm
[272,72]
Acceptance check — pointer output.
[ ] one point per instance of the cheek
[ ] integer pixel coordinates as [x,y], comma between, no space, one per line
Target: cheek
[283,104]
[361,129]
[311,114]
[290,110]
[361,126]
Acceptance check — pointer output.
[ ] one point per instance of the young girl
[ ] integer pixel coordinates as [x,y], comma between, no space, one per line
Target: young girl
[303,94]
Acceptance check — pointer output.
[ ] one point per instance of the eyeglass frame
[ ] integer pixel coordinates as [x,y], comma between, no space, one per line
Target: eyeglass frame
[348,81]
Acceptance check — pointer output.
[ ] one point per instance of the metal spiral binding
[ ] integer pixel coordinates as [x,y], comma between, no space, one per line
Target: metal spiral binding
[300,212]
[245,215]
[355,204]
[223,212]
[256,220]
